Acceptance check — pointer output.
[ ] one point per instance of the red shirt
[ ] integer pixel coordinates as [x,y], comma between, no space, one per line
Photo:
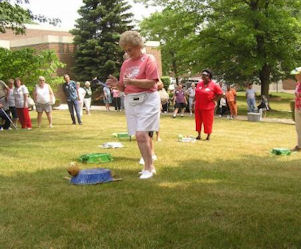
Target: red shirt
[204,96]
[145,67]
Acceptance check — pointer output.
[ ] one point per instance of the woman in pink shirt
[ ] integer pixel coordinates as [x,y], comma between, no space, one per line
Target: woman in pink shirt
[297,73]
[138,80]
[116,99]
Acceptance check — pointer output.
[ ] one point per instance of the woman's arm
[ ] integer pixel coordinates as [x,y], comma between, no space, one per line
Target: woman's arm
[25,100]
[142,83]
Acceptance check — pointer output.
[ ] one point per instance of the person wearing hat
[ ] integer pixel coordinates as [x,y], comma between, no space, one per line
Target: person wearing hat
[206,93]
[297,73]
[88,97]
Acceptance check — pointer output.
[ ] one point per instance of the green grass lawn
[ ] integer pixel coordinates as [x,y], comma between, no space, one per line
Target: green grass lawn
[279,103]
[226,193]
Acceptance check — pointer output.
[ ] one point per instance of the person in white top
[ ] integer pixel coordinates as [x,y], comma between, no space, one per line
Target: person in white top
[11,101]
[21,100]
[43,96]
[191,93]
[81,95]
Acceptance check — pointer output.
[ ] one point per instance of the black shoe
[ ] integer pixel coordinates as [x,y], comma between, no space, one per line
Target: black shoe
[74,123]
[80,123]
[198,138]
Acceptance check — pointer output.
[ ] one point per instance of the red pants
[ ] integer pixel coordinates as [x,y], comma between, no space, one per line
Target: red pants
[24,118]
[233,108]
[204,117]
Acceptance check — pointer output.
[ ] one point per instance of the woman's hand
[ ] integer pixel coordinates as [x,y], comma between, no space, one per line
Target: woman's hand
[127,81]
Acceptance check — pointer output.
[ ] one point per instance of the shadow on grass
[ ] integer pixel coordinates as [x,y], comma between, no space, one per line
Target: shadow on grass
[250,202]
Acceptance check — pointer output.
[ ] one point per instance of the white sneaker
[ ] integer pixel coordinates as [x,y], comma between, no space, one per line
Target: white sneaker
[153,171]
[154,157]
[146,175]
[50,126]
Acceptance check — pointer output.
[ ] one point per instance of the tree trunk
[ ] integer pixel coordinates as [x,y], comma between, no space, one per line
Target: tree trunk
[264,76]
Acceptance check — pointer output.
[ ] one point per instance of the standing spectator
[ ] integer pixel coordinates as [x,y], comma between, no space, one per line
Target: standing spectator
[42,97]
[191,93]
[179,101]
[250,94]
[223,107]
[297,73]
[231,100]
[72,96]
[107,97]
[206,93]
[138,78]
[164,98]
[21,101]
[81,95]
[88,97]
[11,101]
[116,99]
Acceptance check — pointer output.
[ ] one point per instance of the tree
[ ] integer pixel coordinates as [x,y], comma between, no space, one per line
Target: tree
[244,40]
[172,29]
[29,65]
[96,36]
[13,16]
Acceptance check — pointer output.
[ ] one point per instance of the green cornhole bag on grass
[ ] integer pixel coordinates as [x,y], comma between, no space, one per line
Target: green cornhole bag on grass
[281,151]
[96,158]
[122,135]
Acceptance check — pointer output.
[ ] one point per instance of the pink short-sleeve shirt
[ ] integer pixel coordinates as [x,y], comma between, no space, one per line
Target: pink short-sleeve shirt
[145,67]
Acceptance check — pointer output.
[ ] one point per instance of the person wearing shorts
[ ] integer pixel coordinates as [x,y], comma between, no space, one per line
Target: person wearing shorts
[42,97]
[138,79]
[180,101]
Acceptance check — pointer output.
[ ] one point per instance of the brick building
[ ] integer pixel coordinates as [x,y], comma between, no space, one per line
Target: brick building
[59,40]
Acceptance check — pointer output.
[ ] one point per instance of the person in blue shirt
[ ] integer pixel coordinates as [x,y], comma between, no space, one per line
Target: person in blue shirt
[72,97]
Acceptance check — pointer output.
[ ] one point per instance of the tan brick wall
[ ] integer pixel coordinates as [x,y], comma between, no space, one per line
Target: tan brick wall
[157,54]
[289,84]
[9,35]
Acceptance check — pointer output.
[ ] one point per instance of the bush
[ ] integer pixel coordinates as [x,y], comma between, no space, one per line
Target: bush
[166,81]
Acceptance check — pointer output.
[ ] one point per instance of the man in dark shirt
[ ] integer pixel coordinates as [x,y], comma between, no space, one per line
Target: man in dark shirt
[72,97]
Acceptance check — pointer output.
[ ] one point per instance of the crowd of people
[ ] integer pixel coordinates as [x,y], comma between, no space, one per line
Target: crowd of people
[140,92]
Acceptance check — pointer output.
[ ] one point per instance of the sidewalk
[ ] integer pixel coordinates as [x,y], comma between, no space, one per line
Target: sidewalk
[93,107]
[240,117]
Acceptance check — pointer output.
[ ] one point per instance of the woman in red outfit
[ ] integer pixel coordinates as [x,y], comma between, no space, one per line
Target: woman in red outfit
[206,93]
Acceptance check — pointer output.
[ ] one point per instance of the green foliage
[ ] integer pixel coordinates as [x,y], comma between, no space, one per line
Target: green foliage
[243,40]
[28,64]
[166,81]
[96,36]
[172,29]
[13,16]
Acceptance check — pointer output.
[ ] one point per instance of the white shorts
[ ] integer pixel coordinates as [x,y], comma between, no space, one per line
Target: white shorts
[142,112]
